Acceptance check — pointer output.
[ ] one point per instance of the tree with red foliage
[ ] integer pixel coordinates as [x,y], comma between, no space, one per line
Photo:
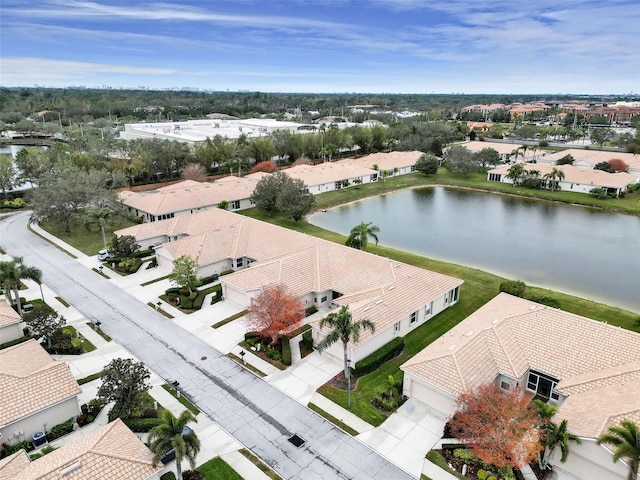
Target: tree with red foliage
[618,165]
[501,427]
[266,166]
[194,171]
[274,312]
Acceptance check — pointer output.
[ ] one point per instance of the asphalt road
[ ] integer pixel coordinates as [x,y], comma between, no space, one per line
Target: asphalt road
[257,414]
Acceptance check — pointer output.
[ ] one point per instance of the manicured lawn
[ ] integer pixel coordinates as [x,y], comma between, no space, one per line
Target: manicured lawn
[182,399]
[216,469]
[87,346]
[478,289]
[88,242]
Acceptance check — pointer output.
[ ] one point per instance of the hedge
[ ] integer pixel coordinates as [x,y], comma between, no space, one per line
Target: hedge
[209,279]
[227,272]
[197,303]
[141,425]
[377,358]
[60,430]
[11,343]
[286,351]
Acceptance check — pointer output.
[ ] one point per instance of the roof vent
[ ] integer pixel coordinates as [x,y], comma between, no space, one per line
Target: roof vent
[297,440]
[452,347]
[379,301]
[532,307]
[390,287]
[70,469]
[366,308]
[396,265]
[495,320]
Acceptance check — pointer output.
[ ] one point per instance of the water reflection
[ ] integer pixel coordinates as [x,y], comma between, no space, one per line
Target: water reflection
[575,249]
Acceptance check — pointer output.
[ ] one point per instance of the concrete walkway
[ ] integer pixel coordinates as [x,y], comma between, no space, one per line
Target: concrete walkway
[404,438]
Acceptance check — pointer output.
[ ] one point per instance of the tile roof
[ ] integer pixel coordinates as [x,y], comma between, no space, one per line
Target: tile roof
[27,372]
[13,464]
[188,195]
[8,315]
[592,157]
[501,148]
[385,161]
[598,365]
[580,175]
[111,452]
[327,172]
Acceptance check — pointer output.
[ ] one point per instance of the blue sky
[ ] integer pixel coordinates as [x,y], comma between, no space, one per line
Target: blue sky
[395,46]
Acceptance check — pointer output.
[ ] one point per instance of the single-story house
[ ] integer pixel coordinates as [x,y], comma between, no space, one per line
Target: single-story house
[590,158]
[590,370]
[576,179]
[110,452]
[187,197]
[47,389]
[329,176]
[394,163]
[505,150]
[10,328]
[395,296]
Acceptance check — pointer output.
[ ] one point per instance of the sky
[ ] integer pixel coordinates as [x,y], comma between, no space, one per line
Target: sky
[330,46]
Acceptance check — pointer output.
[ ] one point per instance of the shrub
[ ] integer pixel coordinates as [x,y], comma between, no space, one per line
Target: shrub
[274,354]
[535,183]
[60,430]
[141,425]
[312,309]
[199,300]
[168,476]
[514,287]
[251,336]
[209,279]
[544,300]
[598,192]
[377,358]
[286,351]
[192,475]
[492,477]
[464,454]
[482,474]
[227,272]
[633,187]
[7,449]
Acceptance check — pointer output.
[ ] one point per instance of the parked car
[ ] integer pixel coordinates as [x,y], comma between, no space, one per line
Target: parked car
[104,255]
[171,454]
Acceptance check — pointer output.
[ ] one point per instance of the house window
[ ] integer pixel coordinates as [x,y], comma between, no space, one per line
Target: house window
[234,205]
[238,262]
[504,385]
[542,384]
[428,309]
[455,294]
[495,177]
[413,318]
[373,177]
[323,299]
[396,327]
[338,185]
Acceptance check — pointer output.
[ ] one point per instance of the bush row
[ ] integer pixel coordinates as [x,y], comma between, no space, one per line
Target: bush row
[141,425]
[60,430]
[377,358]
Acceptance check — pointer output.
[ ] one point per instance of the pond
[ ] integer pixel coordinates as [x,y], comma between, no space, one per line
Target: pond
[583,251]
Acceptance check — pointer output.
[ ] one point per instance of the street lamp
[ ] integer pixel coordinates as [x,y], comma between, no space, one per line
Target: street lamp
[349,383]
[242,354]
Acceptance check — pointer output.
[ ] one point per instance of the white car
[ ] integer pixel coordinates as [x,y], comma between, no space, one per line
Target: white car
[104,255]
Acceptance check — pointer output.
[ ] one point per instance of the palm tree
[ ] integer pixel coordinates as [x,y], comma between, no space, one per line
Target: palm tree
[554,174]
[170,434]
[12,272]
[626,440]
[345,329]
[98,216]
[359,235]
[556,436]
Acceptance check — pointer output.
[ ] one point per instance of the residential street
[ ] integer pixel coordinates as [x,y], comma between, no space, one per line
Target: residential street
[257,414]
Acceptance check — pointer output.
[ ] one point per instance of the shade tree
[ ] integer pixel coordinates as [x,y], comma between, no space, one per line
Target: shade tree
[274,312]
[123,382]
[427,164]
[44,322]
[184,273]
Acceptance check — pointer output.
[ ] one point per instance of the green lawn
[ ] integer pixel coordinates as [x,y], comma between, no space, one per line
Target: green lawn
[182,399]
[478,289]
[87,346]
[88,242]
[216,469]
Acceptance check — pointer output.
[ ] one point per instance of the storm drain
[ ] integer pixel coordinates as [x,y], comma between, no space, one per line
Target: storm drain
[297,440]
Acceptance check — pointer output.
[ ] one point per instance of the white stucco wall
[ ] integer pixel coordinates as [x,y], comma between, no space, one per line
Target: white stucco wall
[429,394]
[590,461]
[10,332]
[31,424]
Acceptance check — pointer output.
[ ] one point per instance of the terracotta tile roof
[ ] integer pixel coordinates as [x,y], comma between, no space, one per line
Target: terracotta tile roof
[385,161]
[501,148]
[328,172]
[111,452]
[8,315]
[598,365]
[13,465]
[592,157]
[27,372]
[189,195]
[585,176]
